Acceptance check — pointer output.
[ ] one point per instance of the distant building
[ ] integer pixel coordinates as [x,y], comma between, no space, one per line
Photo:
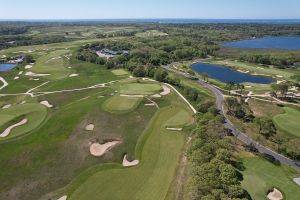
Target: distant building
[107,53]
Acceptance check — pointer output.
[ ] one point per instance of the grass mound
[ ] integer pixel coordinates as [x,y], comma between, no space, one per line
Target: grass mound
[140,88]
[261,175]
[289,121]
[35,113]
[121,104]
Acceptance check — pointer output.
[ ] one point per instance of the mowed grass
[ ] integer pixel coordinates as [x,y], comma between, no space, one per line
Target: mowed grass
[140,88]
[119,103]
[289,121]
[35,114]
[53,63]
[119,72]
[151,179]
[260,175]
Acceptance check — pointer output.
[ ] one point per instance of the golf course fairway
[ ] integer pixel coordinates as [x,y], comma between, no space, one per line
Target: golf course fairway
[158,151]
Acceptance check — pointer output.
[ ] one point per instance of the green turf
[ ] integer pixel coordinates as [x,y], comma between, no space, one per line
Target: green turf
[289,121]
[33,112]
[119,103]
[119,72]
[53,63]
[261,175]
[151,179]
[182,117]
[140,88]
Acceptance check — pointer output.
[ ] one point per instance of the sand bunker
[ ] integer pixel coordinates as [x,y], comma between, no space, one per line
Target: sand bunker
[23,102]
[8,130]
[35,75]
[297,181]
[127,163]
[279,76]
[74,75]
[90,127]
[6,106]
[275,195]
[16,78]
[174,129]
[28,66]
[149,104]
[98,150]
[63,198]
[20,73]
[46,103]
[156,96]
[166,91]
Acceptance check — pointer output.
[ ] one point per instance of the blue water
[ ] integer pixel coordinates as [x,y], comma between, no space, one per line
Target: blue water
[282,42]
[6,67]
[225,74]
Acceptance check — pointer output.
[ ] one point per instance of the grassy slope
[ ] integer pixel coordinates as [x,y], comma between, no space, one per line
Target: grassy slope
[261,175]
[140,88]
[121,104]
[289,121]
[151,179]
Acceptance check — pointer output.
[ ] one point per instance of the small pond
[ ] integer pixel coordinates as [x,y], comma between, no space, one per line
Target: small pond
[225,74]
[6,67]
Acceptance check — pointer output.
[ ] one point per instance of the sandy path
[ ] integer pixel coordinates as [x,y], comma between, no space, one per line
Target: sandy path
[127,163]
[98,150]
[275,195]
[4,83]
[8,130]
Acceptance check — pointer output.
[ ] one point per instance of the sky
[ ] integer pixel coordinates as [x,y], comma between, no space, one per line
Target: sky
[119,9]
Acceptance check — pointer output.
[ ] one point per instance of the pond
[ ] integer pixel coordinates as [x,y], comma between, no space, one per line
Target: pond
[6,67]
[281,42]
[225,74]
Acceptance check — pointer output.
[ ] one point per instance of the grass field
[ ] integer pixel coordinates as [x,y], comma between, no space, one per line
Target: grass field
[159,151]
[119,72]
[119,103]
[140,88]
[260,175]
[289,121]
[35,114]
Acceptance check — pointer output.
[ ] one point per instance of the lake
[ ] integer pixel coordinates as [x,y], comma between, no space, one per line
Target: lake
[225,74]
[282,42]
[6,67]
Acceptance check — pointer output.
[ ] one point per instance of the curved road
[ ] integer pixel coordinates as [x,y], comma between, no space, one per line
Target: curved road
[241,136]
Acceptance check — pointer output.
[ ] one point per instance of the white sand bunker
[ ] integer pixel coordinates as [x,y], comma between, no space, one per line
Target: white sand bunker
[16,78]
[166,91]
[275,195]
[73,75]
[297,181]
[149,104]
[90,127]
[46,103]
[127,163]
[8,130]
[63,198]
[6,106]
[156,96]
[35,75]
[28,66]
[20,73]
[174,129]
[98,150]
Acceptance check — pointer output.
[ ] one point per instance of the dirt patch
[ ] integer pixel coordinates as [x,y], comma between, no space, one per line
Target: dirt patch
[275,195]
[127,163]
[98,150]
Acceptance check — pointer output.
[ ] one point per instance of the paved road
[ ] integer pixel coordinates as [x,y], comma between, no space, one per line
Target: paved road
[241,136]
